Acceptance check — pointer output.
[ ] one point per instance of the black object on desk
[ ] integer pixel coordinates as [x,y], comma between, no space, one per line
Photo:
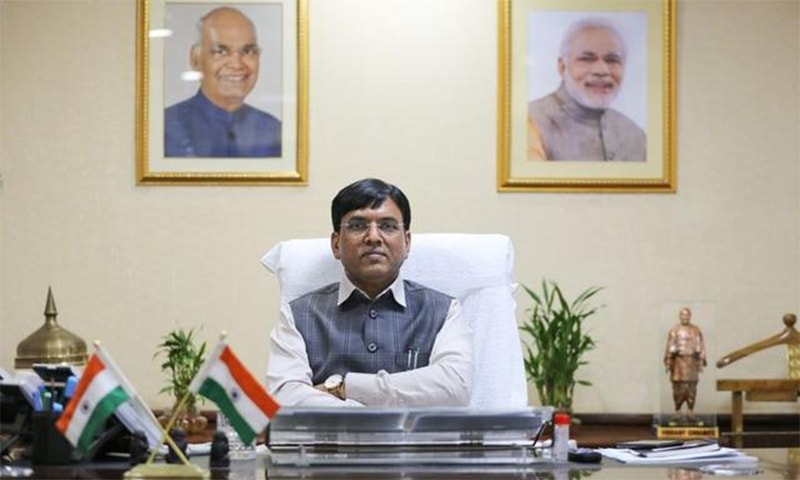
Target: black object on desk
[49,447]
[179,437]
[219,456]
[584,455]
[15,417]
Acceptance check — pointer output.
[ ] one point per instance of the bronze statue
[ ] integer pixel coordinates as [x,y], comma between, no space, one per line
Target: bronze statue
[684,359]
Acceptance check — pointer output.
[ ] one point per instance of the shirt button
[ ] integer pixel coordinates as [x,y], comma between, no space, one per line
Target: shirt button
[373,314]
[372,348]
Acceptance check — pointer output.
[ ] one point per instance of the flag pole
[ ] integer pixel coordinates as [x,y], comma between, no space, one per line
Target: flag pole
[165,430]
[204,368]
[165,436]
[135,396]
[138,403]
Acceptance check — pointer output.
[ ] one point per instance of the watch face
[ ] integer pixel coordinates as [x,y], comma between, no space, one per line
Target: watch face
[333,381]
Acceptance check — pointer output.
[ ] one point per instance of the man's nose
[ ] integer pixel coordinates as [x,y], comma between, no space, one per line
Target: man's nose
[601,68]
[373,233]
[236,58]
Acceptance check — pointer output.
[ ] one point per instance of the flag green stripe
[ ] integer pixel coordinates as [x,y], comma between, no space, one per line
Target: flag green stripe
[105,407]
[216,393]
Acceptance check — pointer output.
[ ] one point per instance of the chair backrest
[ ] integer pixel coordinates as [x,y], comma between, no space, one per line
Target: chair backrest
[475,268]
[790,337]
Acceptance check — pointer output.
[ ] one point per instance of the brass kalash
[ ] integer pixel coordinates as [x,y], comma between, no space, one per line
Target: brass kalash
[51,343]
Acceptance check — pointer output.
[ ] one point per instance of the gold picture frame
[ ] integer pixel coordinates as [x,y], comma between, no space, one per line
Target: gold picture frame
[167,31]
[530,35]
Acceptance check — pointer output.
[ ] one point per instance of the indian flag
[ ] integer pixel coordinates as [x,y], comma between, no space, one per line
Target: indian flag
[225,381]
[97,396]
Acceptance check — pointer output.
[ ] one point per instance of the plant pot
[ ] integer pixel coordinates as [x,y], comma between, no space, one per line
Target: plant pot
[191,422]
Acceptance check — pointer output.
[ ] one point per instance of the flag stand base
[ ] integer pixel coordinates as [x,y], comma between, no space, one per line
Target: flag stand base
[161,470]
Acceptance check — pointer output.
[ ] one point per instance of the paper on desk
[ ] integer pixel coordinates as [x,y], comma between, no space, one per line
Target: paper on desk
[192,449]
[722,455]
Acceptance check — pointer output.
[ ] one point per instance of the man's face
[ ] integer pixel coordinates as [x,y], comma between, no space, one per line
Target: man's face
[228,58]
[372,257]
[594,68]
[686,316]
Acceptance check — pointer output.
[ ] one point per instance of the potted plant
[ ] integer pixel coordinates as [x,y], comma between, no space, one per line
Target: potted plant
[183,357]
[560,340]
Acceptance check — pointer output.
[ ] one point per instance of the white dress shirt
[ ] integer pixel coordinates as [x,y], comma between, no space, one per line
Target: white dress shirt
[445,381]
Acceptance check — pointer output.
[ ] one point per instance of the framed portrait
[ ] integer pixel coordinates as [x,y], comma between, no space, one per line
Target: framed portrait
[222,92]
[586,96]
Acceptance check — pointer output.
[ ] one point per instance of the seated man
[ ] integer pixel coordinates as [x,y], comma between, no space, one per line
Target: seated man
[374,338]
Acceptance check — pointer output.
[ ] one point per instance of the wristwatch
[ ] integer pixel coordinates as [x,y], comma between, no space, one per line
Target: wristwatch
[335,385]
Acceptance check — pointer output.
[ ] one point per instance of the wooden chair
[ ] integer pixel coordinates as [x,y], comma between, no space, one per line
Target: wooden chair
[763,390]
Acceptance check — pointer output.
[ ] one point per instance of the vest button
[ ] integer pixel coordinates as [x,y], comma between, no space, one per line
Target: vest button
[373,313]
[372,348]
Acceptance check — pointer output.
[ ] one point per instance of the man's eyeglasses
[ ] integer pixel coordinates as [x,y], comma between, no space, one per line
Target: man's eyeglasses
[221,52]
[387,227]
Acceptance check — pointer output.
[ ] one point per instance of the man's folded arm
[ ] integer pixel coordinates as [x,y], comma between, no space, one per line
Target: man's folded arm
[445,381]
[289,374]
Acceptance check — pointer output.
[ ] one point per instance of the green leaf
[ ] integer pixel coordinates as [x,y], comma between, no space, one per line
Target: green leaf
[558,340]
[183,359]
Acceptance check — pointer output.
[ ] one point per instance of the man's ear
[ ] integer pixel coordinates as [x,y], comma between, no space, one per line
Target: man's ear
[194,57]
[561,67]
[408,243]
[335,245]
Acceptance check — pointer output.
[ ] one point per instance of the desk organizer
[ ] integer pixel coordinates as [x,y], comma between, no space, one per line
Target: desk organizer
[370,438]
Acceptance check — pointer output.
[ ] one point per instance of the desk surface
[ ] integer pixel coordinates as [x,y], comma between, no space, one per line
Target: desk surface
[774,463]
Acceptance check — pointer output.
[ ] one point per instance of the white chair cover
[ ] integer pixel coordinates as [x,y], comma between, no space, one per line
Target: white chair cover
[475,268]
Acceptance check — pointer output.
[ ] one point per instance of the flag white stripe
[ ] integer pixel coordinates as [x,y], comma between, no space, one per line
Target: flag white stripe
[253,415]
[211,359]
[134,414]
[102,384]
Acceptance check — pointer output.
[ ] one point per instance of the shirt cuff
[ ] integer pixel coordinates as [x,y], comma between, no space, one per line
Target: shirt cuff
[363,387]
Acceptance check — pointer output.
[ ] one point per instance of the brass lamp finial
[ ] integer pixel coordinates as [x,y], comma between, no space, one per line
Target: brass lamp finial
[51,343]
[50,307]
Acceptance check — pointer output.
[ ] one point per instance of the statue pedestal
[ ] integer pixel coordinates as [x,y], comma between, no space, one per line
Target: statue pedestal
[686,433]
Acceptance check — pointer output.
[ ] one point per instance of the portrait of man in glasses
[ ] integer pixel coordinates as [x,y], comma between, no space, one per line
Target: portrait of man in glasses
[216,121]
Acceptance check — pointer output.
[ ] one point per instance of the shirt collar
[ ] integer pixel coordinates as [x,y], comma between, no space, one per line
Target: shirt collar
[346,288]
[214,111]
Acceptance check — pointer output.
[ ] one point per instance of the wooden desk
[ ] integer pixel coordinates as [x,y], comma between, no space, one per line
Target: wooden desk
[777,390]
[774,463]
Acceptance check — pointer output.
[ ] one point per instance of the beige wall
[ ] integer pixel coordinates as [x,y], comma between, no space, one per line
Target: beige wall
[403,90]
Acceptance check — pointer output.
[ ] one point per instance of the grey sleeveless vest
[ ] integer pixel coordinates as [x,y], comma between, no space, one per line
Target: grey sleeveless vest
[363,335]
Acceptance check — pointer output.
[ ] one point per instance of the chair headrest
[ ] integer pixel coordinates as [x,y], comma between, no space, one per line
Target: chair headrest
[454,263]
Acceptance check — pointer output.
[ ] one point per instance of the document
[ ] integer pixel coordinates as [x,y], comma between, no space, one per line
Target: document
[683,449]
[720,454]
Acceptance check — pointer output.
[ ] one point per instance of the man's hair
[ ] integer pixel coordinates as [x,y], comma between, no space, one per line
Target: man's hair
[587,23]
[368,193]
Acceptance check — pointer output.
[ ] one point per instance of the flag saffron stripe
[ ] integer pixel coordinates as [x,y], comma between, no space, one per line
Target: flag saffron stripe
[102,384]
[244,405]
[249,384]
[93,368]
[100,414]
